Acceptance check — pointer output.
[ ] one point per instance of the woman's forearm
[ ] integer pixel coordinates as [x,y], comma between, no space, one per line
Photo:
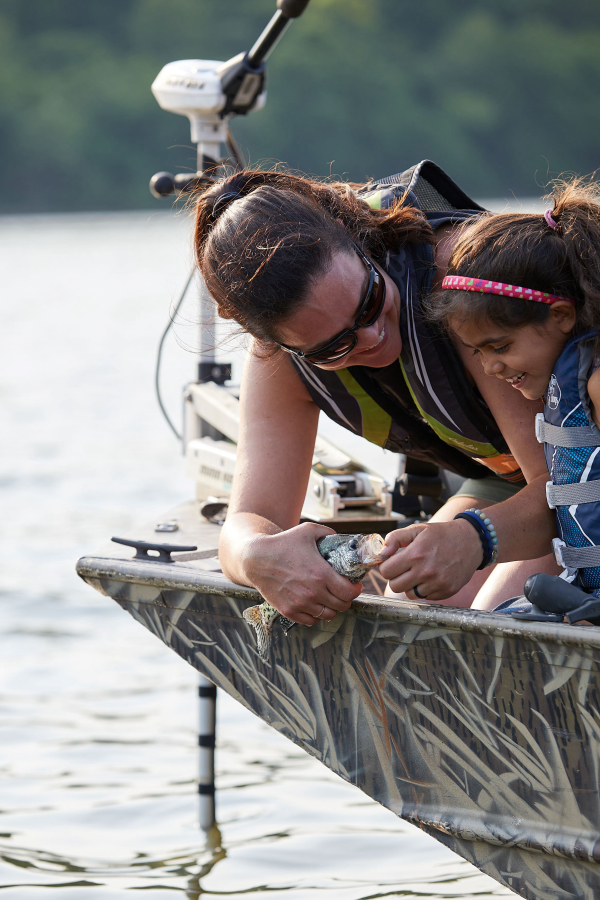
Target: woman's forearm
[238,534]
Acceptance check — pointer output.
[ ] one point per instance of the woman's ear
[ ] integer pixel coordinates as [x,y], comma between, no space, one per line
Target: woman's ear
[563,315]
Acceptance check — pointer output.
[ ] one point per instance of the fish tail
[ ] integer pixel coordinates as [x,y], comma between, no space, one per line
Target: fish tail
[254,616]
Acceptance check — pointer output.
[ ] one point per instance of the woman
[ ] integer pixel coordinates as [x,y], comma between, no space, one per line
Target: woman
[329,280]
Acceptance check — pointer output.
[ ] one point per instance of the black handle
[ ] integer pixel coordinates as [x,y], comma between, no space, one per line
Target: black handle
[164,550]
[286,11]
[420,485]
[163,184]
[292,8]
[555,595]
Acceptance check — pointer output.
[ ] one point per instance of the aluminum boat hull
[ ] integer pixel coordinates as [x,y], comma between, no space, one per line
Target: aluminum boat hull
[482,730]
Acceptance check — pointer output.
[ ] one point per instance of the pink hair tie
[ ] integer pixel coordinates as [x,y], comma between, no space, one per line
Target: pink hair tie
[483,286]
[549,220]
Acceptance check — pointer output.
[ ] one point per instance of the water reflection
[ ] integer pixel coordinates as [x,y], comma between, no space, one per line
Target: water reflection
[192,865]
[214,846]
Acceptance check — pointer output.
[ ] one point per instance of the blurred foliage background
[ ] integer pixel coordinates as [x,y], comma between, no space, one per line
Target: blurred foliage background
[503,95]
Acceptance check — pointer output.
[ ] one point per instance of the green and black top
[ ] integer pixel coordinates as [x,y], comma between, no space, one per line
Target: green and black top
[423,404]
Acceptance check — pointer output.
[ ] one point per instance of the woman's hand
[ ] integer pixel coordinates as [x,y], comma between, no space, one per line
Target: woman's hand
[291,574]
[438,559]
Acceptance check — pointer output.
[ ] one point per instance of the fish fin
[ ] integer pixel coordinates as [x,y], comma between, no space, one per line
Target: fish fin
[254,616]
[286,624]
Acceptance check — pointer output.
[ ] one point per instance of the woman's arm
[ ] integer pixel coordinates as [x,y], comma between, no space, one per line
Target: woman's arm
[441,557]
[261,543]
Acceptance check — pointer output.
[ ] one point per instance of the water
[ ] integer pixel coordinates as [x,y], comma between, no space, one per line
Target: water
[97,718]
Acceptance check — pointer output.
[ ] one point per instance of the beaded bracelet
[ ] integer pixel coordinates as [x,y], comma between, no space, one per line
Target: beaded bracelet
[487,534]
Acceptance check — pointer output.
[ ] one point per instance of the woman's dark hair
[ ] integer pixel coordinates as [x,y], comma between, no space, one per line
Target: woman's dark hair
[261,237]
[522,249]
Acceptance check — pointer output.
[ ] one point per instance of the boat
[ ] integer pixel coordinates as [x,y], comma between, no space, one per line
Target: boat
[482,730]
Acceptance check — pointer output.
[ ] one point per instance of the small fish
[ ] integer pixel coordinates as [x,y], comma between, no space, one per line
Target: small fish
[351,555]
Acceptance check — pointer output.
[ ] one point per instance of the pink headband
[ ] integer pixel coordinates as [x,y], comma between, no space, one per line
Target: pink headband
[481,286]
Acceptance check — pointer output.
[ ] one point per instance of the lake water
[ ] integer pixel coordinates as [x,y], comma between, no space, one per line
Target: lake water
[98,745]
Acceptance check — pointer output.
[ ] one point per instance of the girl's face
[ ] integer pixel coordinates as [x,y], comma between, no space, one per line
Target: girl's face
[523,356]
[332,306]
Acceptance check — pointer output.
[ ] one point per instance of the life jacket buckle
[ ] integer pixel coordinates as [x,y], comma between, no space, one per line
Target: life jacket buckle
[557,548]
[549,486]
[539,423]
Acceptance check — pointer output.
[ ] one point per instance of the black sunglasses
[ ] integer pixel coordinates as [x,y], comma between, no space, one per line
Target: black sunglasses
[371,307]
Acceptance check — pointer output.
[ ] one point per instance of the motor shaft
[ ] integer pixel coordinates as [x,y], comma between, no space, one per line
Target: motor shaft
[207,693]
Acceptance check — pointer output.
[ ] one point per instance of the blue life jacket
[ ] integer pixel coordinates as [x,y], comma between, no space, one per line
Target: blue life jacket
[572,447]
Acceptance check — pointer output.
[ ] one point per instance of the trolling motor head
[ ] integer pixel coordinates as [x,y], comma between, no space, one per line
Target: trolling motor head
[195,88]
[209,93]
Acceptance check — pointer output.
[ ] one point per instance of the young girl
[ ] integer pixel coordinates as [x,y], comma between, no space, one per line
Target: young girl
[523,293]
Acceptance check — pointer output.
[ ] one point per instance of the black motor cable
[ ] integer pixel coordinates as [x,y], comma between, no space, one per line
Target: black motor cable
[159,355]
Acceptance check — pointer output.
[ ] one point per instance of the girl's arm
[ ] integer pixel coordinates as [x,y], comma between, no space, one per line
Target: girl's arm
[442,557]
[593,387]
[261,543]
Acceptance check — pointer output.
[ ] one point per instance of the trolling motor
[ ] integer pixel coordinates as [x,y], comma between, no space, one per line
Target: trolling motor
[209,93]
[554,599]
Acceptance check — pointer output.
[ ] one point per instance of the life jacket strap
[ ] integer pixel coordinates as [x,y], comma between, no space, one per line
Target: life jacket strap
[575,557]
[572,494]
[577,436]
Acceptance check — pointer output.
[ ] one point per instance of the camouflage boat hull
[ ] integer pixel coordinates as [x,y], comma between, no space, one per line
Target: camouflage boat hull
[483,731]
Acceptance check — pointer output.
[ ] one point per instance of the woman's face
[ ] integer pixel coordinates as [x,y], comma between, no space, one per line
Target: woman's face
[332,306]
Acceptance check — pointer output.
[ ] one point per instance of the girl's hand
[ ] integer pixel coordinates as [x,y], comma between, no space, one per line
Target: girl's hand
[291,574]
[438,558]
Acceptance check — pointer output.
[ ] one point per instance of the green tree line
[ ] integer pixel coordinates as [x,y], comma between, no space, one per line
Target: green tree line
[503,95]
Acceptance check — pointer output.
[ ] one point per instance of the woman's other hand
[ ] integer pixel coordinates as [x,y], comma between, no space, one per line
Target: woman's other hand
[438,558]
[291,574]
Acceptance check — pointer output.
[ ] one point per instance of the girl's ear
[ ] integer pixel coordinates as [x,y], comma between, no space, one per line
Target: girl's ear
[563,315]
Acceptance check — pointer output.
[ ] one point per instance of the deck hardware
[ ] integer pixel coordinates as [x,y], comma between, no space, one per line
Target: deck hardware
[167,526]
[554,599]
[589,611]
[214,511]
[536,614]
[420,485]
[164,550]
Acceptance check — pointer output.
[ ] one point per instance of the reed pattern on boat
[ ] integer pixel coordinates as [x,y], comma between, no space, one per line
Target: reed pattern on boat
[482,731]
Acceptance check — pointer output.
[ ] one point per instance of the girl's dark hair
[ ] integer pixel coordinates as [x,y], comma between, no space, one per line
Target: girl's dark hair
[261,237]
[522,249]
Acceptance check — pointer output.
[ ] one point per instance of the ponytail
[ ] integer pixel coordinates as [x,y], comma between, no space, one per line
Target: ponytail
[577,215]
[557,252]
